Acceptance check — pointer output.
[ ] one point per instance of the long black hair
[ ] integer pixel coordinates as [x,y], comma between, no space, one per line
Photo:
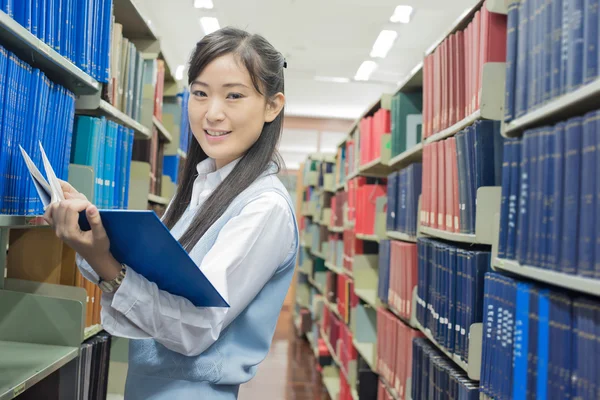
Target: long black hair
[265,66]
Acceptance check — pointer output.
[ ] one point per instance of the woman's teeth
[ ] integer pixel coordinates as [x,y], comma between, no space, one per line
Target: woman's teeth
[214,133]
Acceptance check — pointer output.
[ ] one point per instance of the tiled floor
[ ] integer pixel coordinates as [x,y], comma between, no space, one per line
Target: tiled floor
[288,372]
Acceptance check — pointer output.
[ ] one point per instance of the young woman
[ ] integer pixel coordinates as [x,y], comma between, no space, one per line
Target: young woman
[230,213]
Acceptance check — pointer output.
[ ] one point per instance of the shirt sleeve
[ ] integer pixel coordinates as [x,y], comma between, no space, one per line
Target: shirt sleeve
[245,255]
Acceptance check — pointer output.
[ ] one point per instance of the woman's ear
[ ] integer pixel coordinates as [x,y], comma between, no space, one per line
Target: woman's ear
[274,107]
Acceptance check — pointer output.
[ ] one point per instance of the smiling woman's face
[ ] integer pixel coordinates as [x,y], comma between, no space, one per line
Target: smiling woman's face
[226,112]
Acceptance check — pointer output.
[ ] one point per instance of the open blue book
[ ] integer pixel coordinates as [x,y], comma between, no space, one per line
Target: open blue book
[140,240]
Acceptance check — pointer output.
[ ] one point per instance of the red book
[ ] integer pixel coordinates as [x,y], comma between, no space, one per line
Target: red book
[449,193]
[455,197]
[425,188]
[475,60]
[468,70]
[459,61]
[433,210]
[441,212]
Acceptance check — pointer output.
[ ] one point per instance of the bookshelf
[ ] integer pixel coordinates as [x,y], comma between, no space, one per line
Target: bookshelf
[93,105]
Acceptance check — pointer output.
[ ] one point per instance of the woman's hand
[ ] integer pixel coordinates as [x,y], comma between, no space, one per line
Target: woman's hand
[93,245]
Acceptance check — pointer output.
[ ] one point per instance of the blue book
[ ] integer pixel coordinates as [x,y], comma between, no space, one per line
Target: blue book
[462,180]
[513,201]
[587,229]
[532,51]
[554,236]
[523,44]
[384,271]
[547,53]
[470,179]
[521,341]
[543,343]
[576,50]
[570,225]
[557,38]
[565,46]
[597,216]
[415,193]
[512,27]
[168,265]
[401,214]
[392,197]
[590,40]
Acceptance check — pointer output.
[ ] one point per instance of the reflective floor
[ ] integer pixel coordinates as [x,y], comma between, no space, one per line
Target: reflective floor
[289,371]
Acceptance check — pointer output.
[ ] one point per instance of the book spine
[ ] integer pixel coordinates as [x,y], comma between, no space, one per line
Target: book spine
[522,88]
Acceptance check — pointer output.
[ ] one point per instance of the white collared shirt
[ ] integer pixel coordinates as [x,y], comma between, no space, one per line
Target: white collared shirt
[245,255]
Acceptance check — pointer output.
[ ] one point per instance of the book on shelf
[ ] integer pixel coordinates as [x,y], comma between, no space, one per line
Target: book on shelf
[538,341]
[394,350]
[406,121]
[80,31]
[362,195]
[371,129]
[550,198]
[434,376]
[149,261]
[453,170]
[442,308]
[452,73]
[552,49]
[32,109]
[403,191]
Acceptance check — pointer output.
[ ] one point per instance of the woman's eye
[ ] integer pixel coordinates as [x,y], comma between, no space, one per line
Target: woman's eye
[199,93]
[235,96]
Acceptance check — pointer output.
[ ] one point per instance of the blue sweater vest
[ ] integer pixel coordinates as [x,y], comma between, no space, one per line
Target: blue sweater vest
[158,373]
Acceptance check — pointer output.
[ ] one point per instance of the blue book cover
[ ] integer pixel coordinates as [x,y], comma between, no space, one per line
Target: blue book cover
[532,49]
[392,196]
[548,194]
[546,87]
[452,297]
[521,340]
[4,96]
[532,352]
[524,181]
[565,46]
[555,220]
[597,201]
[504,201]
[523,48]
[543,343]
[384,271]
[462,179]
[34,14]
[576,50]
[557,46]
[513,201]
[118,167]
[470,181]
[568,261]
[590,40]
[401,215]
[512,26]
[535,185]
[415,192]
[587,229]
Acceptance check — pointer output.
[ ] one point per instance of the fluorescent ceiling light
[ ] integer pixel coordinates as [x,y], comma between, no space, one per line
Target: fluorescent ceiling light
[203,4]
[335,79]
[209,24]
[365,70]
[384,43]
[402,14]
[179,72]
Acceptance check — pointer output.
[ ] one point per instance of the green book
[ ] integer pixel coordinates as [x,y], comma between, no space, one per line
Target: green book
[407,121]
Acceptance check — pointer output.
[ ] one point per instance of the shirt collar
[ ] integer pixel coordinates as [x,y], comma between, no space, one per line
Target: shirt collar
[207,169]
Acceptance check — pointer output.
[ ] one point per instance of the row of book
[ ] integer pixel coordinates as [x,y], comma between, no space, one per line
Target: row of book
[538,342]
[403,191]
[371,130]
[394,351]
[340,165]
[354,247]
[397,276]
[550,198]
[454,169]
[335,249]
[33,110]
[436,377]
[452,74]
[78,30]
[407,121]
[552,49]
[337,208]
[450,292]
[106,147]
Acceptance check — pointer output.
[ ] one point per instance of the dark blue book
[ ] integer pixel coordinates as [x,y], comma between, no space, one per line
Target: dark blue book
[536,185]
[587,203]
[461,149]
[543,348]
[523,44]
[590,40]
[532,47]
[545,182]
[557,55]
[504,201]
[524,201]
[513,201]
[568,259]
[384,271]
[565,46]
[597,201]
[532,347]
[576,42]
[546,87]
[512,29]
[521,341]
[470,179]
[554,237]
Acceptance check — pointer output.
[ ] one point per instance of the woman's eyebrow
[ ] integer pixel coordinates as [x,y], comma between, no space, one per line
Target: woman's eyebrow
[226,85]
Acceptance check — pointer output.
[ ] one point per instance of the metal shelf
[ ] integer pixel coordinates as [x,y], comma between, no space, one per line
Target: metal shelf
[578,102]
[158,199]
[454,129]
[25,364]
[404,159]
[369,296]
[372,238]
[162,131]
[22,221]
[334,268]
[92,105]
[92,331]
[368,351]
[572,282]
[29,48]
[374,169]
[401,236]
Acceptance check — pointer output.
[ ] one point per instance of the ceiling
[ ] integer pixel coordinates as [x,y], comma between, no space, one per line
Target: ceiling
[318,38]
